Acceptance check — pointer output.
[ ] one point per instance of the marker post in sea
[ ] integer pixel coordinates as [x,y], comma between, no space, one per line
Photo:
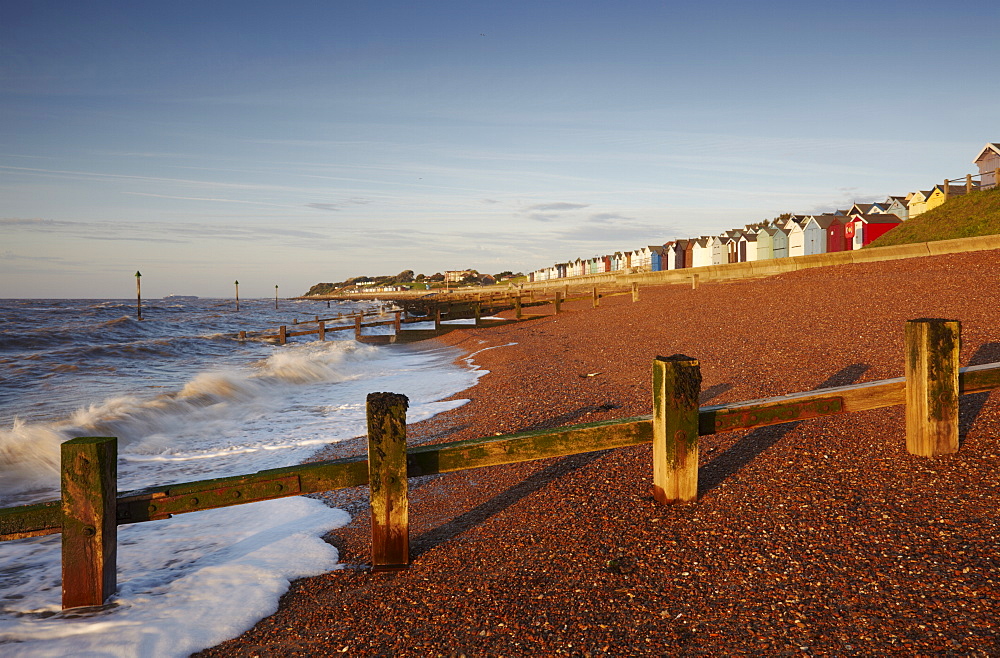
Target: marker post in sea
[276,296]
[138,295]
[237,295]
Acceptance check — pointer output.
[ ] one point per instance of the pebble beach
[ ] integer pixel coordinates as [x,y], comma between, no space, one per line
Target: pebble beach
[818,537]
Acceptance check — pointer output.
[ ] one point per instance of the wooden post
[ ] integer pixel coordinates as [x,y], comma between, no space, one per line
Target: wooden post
[237,295]
[243,335]
[531,295]
[477,308]
[968,183]
[597,298]
[295,320]
[282,335]
[635,291]
[388,483]
[694,282]
[676,386]
[946,189]
[397,322]
[357,326]
[996,177]
[557,302]
[89,522]
[437,319]
[138,296]
[932,346]
[518,313]
[322,330]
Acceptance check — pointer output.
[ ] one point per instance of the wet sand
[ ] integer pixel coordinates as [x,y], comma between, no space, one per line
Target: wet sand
[822,536]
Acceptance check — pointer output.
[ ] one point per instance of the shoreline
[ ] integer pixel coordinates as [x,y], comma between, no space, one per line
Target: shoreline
[823,534]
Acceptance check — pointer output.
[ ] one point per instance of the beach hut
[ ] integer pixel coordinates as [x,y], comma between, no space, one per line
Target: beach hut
[747,250]
[720,249]
[896,205]
[765,243]
[869,227]
[938,195]
[701,252]
[779,243]
[916,204]
[815,233]
[657,258]
[988,161]
[836,237]
[796,239]
[682,255]
[562,270]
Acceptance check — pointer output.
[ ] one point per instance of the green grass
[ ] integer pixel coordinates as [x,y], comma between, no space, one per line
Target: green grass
[963,216]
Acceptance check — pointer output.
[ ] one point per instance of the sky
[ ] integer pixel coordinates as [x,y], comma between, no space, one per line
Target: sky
[301,142]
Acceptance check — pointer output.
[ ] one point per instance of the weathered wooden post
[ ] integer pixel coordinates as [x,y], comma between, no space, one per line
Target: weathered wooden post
[437,319]
[996,177]
[89,523]
[357,326]
[597,298]
[694,282]
[531,295]
[932,347]
[237,294]
[518,313]
[946,189]
[243,335]
[557,302]
[477,308]
[276,296]
[968,183]
[635,291]
[397,322]
[676,386]
[322,330]
[138,296]
[388,483]
[282,334]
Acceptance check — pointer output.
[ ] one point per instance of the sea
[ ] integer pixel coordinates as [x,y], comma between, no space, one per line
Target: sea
[187,400]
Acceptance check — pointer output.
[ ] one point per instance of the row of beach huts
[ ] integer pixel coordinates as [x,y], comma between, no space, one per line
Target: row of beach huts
[786,236]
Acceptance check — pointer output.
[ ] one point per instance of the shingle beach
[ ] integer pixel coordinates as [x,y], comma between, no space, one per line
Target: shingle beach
[821,537]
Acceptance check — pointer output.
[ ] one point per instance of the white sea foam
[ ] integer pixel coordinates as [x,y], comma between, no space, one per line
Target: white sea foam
[195,580]
[185,583]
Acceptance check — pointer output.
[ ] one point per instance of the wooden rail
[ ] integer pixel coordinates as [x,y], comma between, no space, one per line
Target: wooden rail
[89,509]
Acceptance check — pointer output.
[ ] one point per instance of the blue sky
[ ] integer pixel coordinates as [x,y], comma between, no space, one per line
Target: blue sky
[292,143]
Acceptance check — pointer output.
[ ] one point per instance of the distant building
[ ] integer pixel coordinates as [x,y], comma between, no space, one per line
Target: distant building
[456,276]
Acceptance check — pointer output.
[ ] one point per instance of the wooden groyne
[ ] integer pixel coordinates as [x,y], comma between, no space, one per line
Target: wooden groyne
[444,307]
[90,509]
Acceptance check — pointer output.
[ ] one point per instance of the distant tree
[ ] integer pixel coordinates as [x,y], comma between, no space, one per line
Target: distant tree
[506,274]
[420,277]
[436,277]
[406,276]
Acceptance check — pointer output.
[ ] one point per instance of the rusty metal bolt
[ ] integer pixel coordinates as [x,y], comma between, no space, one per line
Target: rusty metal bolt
[89,530]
